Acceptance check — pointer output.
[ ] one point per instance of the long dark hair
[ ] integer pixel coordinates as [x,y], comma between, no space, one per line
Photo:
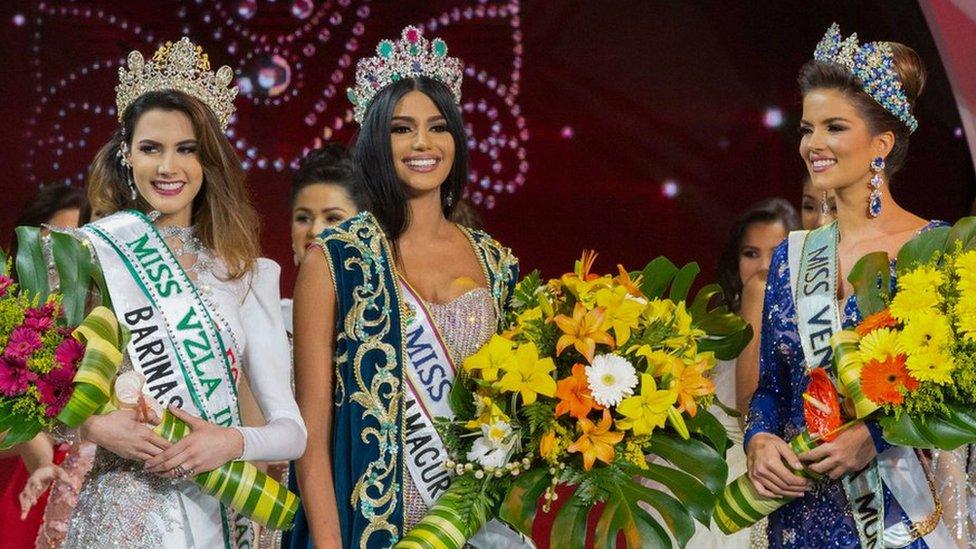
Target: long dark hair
[764,211]
[911,73]
[222,211]
[329,164]
[373,155]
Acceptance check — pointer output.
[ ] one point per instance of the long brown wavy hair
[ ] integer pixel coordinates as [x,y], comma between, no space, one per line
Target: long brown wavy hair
[225,219]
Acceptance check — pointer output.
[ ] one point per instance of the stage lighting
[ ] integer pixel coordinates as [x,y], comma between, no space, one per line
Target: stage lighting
[773,117]
[670,189]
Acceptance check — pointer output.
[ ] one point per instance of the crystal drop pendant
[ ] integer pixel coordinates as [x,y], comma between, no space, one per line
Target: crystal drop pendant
[874,207]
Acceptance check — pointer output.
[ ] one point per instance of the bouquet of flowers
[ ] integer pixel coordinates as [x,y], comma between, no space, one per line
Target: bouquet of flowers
[592,374]
[51,373]
[910,363]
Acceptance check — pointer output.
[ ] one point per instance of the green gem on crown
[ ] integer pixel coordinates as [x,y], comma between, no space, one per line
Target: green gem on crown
[440,47]
[385,49]
[353,98]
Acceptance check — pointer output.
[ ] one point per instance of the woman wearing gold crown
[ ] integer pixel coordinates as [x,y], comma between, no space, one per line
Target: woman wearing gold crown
[180,254]
[387,304]
[857,117]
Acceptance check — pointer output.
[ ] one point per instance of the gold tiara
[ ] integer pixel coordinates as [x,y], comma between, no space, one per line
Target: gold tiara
[184,67]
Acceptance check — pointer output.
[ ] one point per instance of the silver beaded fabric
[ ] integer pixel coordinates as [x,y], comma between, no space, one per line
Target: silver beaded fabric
[466,323]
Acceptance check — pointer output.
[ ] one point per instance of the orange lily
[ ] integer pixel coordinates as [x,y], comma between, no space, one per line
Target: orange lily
[547,446]
[690,383]
[596,441]
[583,331]
[574,394]
[631,284]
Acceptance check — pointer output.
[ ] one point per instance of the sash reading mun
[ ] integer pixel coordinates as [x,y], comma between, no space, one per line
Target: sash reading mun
[170,323]
[813,278]
[429,372]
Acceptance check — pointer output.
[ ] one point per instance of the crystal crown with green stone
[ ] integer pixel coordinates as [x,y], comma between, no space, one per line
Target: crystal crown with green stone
[409,57]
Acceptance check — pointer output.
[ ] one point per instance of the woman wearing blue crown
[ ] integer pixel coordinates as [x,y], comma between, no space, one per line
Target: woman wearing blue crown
[180,255]
[388,304]
[857,117]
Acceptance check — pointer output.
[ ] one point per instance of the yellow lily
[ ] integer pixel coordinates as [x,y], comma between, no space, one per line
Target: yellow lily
[659,363]
[596,441]
[581,282]
[623,311]
[488,413]
[583,331]
[689,382]
[686,335]
[490,358]
[529,375]
[643,412]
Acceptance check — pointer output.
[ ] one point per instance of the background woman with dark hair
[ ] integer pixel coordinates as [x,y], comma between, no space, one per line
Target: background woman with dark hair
[402,267]
[743,261]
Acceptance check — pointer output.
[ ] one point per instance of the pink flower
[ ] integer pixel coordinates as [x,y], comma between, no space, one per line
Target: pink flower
[47,310]
[23,342]
[5,282]
[56,389]
[69,352]
[14,376]
[39,323]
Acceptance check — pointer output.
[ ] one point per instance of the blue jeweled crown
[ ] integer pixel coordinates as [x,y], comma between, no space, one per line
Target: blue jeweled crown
[872,64]
[409,57]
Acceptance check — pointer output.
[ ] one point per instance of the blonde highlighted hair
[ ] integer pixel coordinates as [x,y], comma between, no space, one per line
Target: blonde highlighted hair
[222,211]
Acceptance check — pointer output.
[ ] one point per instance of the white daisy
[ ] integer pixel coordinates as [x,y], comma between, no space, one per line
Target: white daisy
[611,378]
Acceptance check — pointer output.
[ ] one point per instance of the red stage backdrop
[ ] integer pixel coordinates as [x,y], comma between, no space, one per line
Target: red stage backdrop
[637,128]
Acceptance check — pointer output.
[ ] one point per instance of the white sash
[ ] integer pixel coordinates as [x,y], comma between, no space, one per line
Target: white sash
[429,372]
[175,342]
[813,280]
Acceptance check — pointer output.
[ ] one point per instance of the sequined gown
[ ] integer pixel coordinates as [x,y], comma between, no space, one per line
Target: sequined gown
[120,505]
[822,518]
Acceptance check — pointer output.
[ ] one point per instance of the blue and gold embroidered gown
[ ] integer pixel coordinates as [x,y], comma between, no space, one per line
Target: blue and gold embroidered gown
[376,502]
[822,518]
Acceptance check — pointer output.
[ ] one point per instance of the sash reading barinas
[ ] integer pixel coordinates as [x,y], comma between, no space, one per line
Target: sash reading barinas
[175,342]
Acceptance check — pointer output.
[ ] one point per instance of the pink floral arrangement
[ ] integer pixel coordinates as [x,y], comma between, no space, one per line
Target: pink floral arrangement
[38,357]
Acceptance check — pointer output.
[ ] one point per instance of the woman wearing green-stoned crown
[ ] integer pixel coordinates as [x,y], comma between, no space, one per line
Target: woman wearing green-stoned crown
[387,305]
[180,257]
[858,104]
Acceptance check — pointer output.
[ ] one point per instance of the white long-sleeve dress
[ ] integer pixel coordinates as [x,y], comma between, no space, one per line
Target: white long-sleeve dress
[120,505]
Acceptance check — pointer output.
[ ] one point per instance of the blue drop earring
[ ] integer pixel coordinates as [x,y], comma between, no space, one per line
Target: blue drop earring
[874,204]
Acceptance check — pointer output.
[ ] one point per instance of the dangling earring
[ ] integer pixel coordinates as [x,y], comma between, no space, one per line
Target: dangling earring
[874,205]
[124,160]
[824,205]
[450,199]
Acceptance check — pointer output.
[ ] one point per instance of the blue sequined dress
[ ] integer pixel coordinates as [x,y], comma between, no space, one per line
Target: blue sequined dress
[822,518]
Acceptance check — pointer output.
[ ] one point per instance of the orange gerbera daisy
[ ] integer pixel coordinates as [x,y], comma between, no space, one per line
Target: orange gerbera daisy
[880,319]
[887,382]
[574,394]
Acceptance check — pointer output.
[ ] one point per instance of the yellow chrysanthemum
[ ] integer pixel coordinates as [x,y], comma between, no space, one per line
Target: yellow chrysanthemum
[879,345]
[966,269]
[931,365]
[917,290]
[966,316]
[925,330]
